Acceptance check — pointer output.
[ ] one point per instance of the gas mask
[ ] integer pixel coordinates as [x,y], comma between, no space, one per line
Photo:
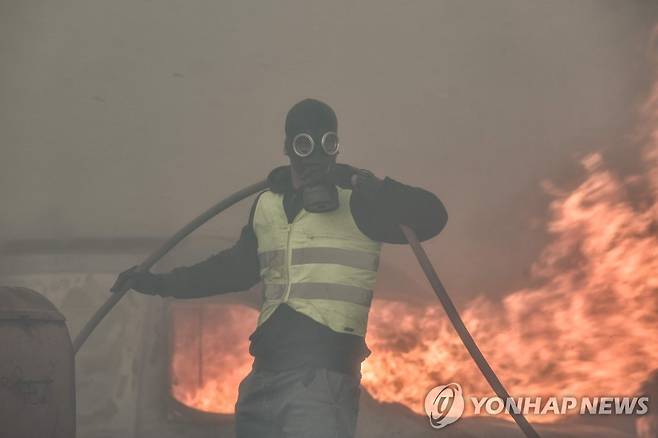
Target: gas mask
[314,165]
[312,146]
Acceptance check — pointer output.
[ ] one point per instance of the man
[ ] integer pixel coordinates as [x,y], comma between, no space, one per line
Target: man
[313,239]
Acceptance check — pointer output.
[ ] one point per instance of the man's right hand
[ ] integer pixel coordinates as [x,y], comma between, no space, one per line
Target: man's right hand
[342,174]
[143,282]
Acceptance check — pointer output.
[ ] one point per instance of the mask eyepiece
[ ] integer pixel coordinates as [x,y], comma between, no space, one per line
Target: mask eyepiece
[330,143]
[303,144]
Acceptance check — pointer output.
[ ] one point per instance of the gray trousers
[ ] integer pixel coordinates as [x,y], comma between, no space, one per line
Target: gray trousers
[299,403]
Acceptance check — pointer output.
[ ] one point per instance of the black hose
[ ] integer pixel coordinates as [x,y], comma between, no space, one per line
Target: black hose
[160,252]
[418,250]
[462,331]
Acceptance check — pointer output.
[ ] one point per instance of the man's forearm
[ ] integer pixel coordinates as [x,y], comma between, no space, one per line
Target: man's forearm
[232,270]
[379,215]
[418,208]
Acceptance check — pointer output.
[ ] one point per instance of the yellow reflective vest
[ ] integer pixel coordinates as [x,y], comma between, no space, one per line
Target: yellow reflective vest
[321,264]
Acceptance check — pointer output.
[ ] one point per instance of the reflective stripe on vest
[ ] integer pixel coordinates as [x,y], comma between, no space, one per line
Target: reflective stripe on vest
[302,256]
[321,264]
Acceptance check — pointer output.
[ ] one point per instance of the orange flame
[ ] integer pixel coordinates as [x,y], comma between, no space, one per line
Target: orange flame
[210,354]
[589,330]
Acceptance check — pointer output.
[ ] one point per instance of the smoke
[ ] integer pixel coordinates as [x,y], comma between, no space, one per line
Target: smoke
[126,119]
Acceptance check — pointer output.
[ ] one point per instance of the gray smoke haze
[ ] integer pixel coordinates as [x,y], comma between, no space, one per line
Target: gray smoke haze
[127,118]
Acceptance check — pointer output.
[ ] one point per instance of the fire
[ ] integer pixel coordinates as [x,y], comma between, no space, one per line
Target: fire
[210,354]
[590,328]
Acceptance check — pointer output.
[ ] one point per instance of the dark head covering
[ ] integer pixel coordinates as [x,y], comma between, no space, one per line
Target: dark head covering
[310,116]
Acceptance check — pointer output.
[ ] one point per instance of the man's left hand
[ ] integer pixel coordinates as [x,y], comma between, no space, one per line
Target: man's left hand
[365,182]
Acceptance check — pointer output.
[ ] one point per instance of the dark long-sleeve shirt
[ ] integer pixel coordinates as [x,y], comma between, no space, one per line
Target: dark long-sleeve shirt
[288,338]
